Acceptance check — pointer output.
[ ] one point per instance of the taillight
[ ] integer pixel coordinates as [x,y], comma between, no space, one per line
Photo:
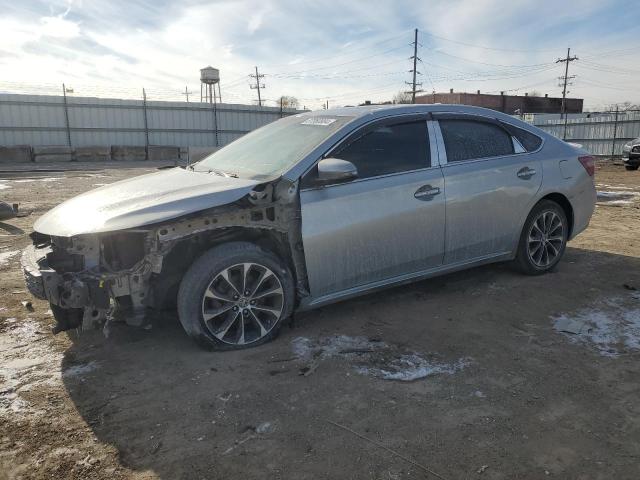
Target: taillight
[589,164]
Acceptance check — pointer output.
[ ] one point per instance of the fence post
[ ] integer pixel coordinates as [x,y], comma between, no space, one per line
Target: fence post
[281,101]
[214,109]
[66,114]
[615,133]
[146,124]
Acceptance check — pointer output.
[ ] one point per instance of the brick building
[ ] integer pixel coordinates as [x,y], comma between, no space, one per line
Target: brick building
[511,104]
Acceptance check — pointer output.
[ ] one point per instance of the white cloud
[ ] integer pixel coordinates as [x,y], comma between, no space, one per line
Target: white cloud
[59,27]
[315,50]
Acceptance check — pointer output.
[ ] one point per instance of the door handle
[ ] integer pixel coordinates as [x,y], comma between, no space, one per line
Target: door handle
[526,173]
[426,192]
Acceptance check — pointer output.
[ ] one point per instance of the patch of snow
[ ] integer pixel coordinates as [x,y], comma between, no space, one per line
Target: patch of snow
[4,186]
[46,179]
[79,370]
[408,368]
[374,358]
[479,394]
[6,256]
[620,202]
[334,345]
[610,196]
[614,187]
[266,427]
[613,327]
[25,363]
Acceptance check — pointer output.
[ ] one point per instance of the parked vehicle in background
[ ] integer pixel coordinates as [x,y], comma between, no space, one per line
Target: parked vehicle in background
[631,154]
[309,210]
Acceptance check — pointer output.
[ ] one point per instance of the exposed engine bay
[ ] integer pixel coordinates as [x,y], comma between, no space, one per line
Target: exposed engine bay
[90,279]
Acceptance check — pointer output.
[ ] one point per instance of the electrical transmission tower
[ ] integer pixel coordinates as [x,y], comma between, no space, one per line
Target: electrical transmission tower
[415,72]
[257,86]
[565,80]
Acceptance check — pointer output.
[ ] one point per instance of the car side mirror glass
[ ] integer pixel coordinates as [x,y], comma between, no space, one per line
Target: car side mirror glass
[335,170]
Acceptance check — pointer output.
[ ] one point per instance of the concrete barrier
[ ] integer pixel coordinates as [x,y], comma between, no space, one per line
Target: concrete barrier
[52,153]
[164,153]
[128,153]
[92,154]
[15,154]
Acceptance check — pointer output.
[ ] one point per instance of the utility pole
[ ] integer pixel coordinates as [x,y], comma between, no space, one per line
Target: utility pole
[187,93]
[66,113]
[414,70]
[565,78]
[257,86]
[146,124]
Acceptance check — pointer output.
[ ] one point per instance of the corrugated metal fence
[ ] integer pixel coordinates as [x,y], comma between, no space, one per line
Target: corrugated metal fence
[599,133]
[86,121]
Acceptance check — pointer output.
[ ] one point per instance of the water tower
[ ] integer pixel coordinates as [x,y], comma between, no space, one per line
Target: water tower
[209,78]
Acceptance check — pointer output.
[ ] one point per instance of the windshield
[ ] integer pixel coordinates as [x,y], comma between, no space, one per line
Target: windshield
[272,149]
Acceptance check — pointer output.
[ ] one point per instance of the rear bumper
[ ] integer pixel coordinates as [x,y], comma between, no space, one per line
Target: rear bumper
[583,204]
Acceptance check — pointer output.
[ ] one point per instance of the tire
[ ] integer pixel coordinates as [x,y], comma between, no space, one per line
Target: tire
[631,167]
[539,252]
[235,296]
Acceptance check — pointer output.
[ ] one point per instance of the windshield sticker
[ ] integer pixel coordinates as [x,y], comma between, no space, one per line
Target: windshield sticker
[320,121]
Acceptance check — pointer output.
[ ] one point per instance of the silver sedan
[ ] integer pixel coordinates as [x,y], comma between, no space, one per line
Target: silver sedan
[309,210]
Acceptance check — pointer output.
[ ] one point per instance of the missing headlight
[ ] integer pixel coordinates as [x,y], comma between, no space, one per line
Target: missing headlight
[123,250]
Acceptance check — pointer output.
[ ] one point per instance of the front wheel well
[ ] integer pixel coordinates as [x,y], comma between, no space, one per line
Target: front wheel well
[563,201]
[186,251]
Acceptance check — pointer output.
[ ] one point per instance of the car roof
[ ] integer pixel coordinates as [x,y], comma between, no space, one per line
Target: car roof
[385,110]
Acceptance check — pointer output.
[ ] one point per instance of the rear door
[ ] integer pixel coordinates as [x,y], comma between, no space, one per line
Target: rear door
[387,222]
[490,183]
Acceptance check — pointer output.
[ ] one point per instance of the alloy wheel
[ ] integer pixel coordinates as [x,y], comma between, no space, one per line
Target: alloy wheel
[243,303]
[545,239]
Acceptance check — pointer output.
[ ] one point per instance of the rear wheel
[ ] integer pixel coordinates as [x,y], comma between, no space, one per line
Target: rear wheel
[235,296]
[543,239]
[631,167]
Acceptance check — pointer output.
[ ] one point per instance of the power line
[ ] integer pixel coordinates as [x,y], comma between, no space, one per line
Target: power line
[333,57]
[483,47]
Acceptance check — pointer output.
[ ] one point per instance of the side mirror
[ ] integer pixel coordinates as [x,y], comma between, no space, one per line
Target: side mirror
[334,170]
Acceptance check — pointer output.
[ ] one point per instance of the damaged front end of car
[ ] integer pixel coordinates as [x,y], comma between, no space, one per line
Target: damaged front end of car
[93,278]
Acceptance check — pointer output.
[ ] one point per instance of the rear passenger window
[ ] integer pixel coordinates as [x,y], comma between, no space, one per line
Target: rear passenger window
[388,149]
[528,140]
[468,139]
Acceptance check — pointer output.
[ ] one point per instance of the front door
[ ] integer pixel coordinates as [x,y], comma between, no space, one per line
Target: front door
[387,222]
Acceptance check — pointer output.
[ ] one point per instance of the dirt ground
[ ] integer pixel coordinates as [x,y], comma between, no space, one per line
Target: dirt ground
[471,375]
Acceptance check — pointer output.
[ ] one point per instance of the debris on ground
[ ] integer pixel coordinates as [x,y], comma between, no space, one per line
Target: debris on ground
[8,211]
[27,304]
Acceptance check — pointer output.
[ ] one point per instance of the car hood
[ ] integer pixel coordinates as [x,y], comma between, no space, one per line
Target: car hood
[142,200]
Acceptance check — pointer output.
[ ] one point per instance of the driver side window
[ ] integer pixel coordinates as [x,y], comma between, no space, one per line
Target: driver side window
[388,149]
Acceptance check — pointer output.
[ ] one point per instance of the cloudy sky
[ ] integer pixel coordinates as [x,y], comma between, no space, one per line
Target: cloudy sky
[343,52]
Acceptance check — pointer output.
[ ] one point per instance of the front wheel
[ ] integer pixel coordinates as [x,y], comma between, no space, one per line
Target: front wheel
[235,296]
[543,239]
